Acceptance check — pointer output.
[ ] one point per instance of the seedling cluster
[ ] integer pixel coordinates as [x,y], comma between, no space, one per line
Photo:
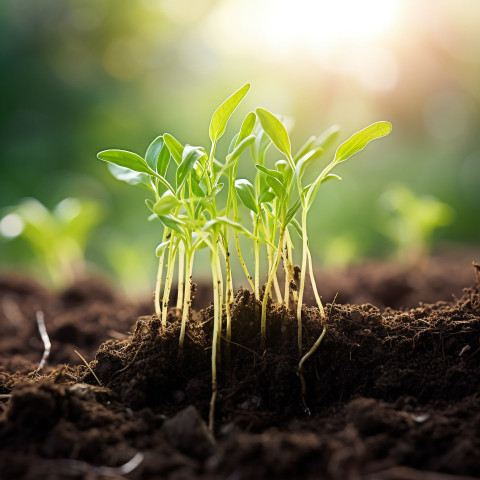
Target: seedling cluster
[185,182]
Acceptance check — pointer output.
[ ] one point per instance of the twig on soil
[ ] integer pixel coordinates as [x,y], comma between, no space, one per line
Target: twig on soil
[45,339]
[89,367]
[77,466]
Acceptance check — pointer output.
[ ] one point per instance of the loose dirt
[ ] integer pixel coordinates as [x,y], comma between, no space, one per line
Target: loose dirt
[392,394]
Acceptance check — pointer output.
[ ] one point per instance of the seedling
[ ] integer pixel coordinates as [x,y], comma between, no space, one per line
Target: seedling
[58,237]
[184,182]
[412,221]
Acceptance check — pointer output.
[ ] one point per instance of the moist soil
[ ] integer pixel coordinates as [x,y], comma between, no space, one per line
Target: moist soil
[392,393]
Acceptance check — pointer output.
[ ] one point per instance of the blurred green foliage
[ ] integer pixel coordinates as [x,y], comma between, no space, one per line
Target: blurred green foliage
[79,75]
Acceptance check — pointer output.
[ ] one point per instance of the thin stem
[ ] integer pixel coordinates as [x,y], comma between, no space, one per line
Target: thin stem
[291,269]
[168,280]
[314,286]
[216,316]
[257,262]
[286,294]
[158,284]
[268,287]
[181,276]
[302,279]
[187,302]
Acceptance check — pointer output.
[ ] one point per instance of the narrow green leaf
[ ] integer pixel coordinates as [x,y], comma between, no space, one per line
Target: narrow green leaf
[125,159]
[246,192]
[190,156]
[304,148]
[166,204]
[129,176]
[240,147]
[292,211]
[313,189]
[328,137]
[175,147]
[247,127]
[223,113]
[266,196]
[153,152]
[301,165]
[359,140]
[173,223]
[276,131]
[270,173]
[149,204]
[161,248]
[277,187]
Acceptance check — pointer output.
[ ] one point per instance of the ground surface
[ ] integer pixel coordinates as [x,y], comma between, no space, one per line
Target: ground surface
[393,394]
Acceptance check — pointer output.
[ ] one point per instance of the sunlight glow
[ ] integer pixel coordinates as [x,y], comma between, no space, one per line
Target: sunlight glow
[306,24]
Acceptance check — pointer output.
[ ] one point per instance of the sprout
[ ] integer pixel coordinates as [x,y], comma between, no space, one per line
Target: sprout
[58,238]
[184,183]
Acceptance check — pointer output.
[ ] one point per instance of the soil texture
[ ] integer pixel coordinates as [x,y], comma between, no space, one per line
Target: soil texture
[391,394]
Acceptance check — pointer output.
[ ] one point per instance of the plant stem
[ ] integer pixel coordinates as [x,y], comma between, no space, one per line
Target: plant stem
[216,334]
[158,284]
[286,294]
[257,262]
[291,269]
[168,280]
[187,302]
[302,279]
[181,276]
[268,287]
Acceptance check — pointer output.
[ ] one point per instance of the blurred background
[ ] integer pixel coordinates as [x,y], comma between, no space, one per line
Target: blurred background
[80,76]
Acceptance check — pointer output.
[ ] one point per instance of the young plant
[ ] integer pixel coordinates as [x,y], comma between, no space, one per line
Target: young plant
[57,237]
[411,222]
[184,182]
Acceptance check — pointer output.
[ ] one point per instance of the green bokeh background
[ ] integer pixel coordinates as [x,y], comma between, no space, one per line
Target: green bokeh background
[79,76]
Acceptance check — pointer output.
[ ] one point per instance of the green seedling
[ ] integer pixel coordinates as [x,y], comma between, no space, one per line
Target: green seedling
[412,221]
[58,238]
[184,183]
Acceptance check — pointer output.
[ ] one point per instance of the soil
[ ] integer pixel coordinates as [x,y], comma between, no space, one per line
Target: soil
[392,393]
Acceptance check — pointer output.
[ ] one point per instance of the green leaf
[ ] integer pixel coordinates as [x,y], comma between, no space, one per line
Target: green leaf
[153,153]
[240,147]
[247,127]
[292,211]
[328,137]
[277,187]
[190,156]
[166,204]
[149,204]
[173,223]
[303,162]
[161,248]
[276,131]
[359,140]
[246,192]
[270,173]
[313,189]
[297,227]
[266,196]
[129,176]
[125,159]
[304,149]
[261,145]
[175,147]
[223,113]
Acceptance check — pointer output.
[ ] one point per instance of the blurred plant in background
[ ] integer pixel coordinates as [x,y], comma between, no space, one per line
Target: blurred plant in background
[412,221]
[79,74]
[57,238]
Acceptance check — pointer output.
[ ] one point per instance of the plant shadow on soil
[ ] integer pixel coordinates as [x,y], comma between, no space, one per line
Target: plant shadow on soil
[393,394]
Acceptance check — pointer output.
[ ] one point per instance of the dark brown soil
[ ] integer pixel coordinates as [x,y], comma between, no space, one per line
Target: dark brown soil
[393,394]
